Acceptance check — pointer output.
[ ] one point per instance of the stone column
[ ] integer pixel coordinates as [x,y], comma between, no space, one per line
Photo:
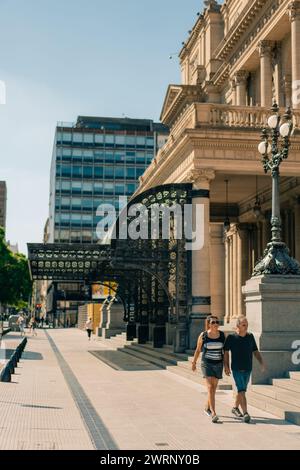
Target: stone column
[294,9]
[233,92]
[227,278]
[266,73]
[201,263]
[217,273]
[241,87]
[286,85]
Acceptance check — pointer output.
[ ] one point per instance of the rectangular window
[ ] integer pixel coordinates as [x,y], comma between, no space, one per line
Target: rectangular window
[108,172]
[141,141]
[87,187]
[64,235]
[67,137]
[120,157]
[139,172]
[98,172]
[130,140]
[76,203]
[130,173]
[120,172]
[98,188]
[88,138]
[140,158]
[88,155]
[87,204]
[109,139]
[99,138]
[150,142]
[109,157]
[99,156]
[77,138]
[120,140]
[58,170]
[65,202]
[108,188]
[65,217]
[130,188]
[58,137]
[76,186]
[88,172]
[65,185]
[77,171]
[65,170]
[120,188]
[77,155]
[57,185]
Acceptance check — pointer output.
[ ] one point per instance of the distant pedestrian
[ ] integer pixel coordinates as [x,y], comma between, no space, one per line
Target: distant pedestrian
[21,322]
[89,328]
[242,346]
[32,326]
[211,344]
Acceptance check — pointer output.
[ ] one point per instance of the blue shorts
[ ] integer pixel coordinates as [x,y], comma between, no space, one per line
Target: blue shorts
[241,378]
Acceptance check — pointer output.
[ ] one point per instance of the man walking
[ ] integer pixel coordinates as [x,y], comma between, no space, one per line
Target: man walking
[242,346]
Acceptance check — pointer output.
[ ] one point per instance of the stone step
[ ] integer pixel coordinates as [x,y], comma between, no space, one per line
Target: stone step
[283,395]
[282,410]
[186,372]
[158,353]
[144,356]
[294,375]
[287,384]
[164,351]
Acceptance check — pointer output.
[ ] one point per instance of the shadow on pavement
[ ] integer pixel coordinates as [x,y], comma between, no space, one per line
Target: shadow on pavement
[118,360]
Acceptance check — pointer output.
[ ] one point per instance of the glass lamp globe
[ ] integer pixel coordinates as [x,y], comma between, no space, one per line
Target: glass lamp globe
[273,121]
[285,129]
[262,148]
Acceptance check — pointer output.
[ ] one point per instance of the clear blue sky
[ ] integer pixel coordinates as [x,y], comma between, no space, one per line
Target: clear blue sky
[64,58]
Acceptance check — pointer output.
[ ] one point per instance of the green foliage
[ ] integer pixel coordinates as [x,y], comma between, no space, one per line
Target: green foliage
[15,282]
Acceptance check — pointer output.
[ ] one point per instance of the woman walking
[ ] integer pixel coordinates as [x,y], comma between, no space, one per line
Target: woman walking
[211,344]
[89,328]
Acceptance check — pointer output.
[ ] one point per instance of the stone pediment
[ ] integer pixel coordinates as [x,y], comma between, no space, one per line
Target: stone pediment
[177,97]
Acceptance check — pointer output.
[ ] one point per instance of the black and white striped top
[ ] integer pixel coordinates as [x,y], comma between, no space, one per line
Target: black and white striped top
[213,348]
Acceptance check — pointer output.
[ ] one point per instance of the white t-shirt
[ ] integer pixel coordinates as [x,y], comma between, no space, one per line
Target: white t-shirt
[89,325]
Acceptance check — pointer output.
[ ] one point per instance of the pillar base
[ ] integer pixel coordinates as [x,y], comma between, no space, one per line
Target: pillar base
[143,334]
[180,338]
[196,326]
[273,313]
[130,331]
[159,336]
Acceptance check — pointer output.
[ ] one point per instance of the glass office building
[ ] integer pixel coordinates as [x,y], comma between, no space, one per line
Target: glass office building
[95,161]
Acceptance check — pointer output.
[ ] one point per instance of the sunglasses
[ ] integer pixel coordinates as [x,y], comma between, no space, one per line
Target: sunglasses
[215,322]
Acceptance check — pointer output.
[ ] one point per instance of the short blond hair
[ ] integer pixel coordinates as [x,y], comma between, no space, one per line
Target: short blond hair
[240,319]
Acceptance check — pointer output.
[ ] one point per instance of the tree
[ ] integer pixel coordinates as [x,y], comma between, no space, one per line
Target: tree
[15,282]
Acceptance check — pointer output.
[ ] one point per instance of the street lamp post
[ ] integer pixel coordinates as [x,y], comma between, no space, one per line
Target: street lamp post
[274,148]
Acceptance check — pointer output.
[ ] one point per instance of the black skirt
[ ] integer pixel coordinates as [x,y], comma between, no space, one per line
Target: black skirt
[209,369]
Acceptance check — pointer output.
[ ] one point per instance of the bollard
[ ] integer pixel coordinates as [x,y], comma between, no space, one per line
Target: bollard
[5,375]
[14,359]
[10,367]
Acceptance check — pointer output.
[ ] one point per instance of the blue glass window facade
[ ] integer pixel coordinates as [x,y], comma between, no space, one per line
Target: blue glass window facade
[95,164]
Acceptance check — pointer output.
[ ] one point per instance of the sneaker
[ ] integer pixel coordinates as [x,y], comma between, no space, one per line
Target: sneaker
[207,411]
[215,419]
[246,418]
[236,412]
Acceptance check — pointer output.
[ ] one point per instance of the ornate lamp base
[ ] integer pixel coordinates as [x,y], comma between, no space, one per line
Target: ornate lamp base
[277,260]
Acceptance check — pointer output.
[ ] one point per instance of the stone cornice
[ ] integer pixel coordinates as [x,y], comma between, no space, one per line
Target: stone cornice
[265,48]
[241,77]
[294,10]
[234,34]
[178,96]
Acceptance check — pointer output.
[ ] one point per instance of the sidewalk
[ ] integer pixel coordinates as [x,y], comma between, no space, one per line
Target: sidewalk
[66,398]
